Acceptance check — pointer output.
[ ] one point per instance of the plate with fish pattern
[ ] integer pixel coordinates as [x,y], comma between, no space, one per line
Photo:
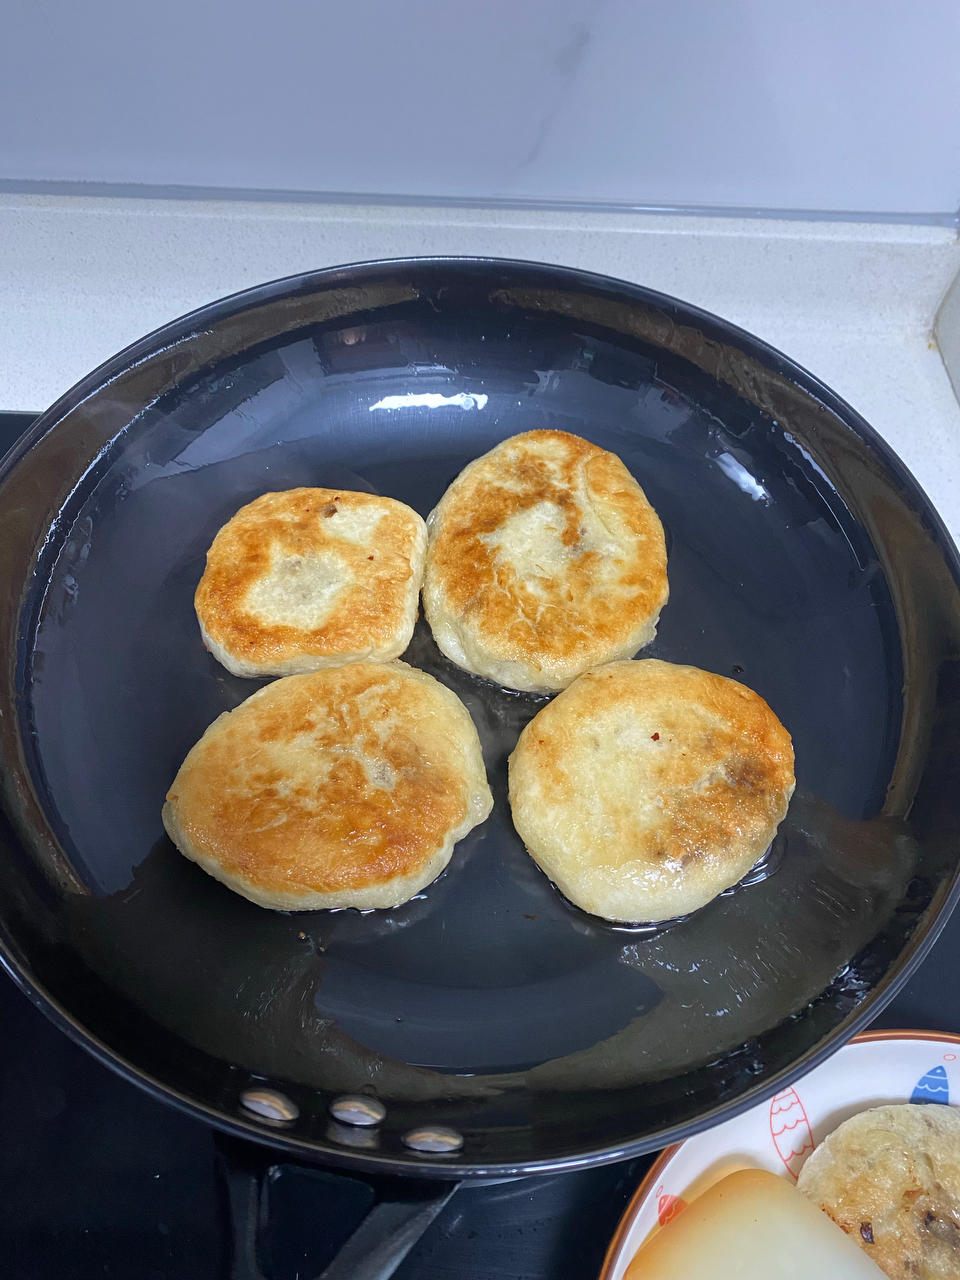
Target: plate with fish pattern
[874,1069]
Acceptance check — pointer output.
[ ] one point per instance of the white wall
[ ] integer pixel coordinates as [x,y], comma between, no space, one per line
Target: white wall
[826,104]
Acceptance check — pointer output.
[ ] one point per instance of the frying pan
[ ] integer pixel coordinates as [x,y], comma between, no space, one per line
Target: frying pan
[488,1028]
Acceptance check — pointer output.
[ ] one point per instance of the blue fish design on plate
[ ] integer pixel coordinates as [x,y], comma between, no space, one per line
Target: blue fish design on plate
[932,1087]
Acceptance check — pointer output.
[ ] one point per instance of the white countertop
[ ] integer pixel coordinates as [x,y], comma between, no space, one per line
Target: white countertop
[855,303]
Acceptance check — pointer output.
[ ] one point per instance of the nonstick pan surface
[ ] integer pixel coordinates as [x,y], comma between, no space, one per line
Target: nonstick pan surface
[803,558]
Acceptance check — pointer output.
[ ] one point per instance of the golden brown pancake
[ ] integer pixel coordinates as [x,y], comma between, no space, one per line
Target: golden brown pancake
[311,578]
[544,559]
[890,1177]
[347,787]
[647,788]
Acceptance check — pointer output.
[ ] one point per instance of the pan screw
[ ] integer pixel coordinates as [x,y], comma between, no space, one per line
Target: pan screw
[268,1104]
[350,1136]
[356,1109]
[433,1140]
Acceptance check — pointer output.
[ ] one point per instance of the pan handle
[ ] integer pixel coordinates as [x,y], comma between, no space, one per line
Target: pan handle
[387,1234]
[401,1211]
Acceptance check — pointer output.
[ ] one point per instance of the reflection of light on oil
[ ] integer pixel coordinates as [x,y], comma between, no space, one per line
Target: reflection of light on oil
[430,400]
[828,501]
[741,477]
[347,1136]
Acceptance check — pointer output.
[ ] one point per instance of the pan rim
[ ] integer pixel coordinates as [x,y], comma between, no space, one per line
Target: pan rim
[910,958]
[418,1166]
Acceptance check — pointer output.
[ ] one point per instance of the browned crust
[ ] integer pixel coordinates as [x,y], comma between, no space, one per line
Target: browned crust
[370,612]
[890,1178]
[648,787]
[279,793]
[580,619]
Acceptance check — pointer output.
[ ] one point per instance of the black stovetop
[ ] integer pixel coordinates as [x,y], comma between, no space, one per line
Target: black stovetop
[99,1180]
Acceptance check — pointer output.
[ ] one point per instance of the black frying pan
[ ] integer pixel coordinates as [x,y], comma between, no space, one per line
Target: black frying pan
[804,559]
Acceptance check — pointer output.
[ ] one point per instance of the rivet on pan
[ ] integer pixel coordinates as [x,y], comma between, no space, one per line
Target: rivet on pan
[350,1136]
[270,1105]
[354,1108]
[433,1140]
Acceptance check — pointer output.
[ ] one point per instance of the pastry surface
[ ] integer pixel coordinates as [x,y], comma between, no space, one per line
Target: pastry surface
[544,559]
[347,787]
[310,578]
[647,788]
[890,1177]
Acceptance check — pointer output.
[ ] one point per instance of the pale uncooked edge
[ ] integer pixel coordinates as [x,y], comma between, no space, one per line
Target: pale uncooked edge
[661,905]
[456,644]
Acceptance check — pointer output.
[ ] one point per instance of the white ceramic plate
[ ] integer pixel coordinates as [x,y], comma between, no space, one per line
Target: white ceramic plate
[874,1068]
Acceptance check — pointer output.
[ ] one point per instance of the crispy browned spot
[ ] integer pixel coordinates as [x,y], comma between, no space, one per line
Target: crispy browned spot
[576,613]
[295,523]
[280,792]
